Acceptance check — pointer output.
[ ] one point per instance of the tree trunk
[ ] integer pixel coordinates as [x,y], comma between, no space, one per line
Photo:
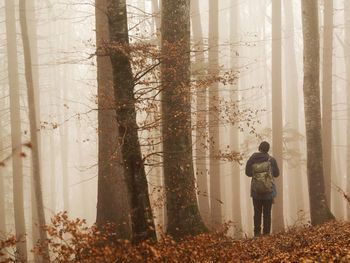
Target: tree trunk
[347,74]
[292,141]
[33,125]
[141,213]
[2,178]
[112,201]
[214,131]
[16,143]
[327,96]
[201,112]
[234,135]
[277,120]
[182,209]
[319,210]
[64,144]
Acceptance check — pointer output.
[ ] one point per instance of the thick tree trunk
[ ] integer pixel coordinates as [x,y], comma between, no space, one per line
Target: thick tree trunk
[182,209]
[16,143]
[327,96]
[141,213]
[201,112]
[234,135]
[112,200]
[319,210]
[214,131]
[33,125]
[277,111]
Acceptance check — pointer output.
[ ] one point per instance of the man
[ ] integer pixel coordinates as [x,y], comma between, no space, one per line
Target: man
[262,200]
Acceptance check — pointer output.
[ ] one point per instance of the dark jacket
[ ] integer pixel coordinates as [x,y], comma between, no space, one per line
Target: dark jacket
[260,157]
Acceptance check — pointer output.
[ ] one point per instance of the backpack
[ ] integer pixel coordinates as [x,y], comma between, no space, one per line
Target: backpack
[262,180]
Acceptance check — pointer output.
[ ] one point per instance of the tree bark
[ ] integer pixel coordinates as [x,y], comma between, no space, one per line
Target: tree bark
[201,112]
[33,126]
[2,179]
[123,81]
[347,74]
[16,143]
[327,96]
[182,209]
[319,210]
[277,120]
[295,176]
[214,131]
[234,135]
[112,200]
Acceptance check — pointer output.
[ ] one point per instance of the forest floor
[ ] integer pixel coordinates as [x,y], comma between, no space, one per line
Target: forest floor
[329,242]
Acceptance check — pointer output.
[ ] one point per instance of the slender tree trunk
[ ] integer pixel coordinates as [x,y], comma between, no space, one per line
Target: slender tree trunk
[2,181]
[33,125]
[158,179]
[347,74]
[16,143]
[277,120]
[295,180]
[112,201]
[64,151]
[141,213]
[214,131]
[319,210]
[234,135]
[327,96]
[201,112]
[182,209]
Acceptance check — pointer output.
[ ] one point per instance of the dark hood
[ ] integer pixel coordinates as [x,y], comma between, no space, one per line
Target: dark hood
[259,157]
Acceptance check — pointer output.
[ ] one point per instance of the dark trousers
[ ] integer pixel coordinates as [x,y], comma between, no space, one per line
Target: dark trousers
[262,207]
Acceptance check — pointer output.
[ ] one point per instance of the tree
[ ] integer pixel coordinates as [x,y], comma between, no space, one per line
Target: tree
[112,201]
[327,75]
[319,210]
[142,222]
[277,120]
[16,143]
[234,134]
[182,209]
[292,137]
[2,179]
[33,125]
[201,112]
[214,131]
[347,73]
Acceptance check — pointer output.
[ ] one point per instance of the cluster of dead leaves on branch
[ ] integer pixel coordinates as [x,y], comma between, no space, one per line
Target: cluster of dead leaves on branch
[72,241]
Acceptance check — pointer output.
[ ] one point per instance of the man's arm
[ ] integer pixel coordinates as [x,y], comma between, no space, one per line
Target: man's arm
[275,169]
[248,167]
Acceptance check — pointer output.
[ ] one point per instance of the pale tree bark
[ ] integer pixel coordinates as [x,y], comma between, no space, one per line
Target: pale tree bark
[182,208]
[64,144]
[201,112]
[16,143]
[33,126]
[112,201]
[327,64]
[142,221]
[277,111]
[295,180]
[2,181]
[347,74]
[156,11]
[234,134]
[214,131]
[319,210]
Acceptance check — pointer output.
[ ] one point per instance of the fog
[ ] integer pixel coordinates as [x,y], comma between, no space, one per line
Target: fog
[267,98]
